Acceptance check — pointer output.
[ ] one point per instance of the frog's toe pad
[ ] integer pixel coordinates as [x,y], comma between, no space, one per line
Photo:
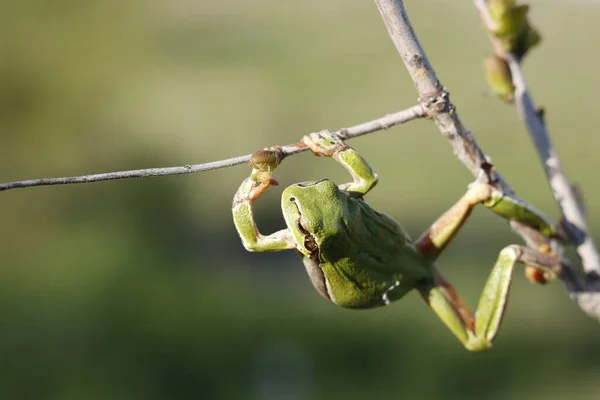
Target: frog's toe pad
[323,143]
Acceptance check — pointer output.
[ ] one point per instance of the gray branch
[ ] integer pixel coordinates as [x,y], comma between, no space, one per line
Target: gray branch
[572,209]
[436,100]
[432,94]
[573,213]
[385,122]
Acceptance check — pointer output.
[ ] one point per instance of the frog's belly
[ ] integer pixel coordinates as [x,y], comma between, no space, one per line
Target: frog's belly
[374,294]
[359,290]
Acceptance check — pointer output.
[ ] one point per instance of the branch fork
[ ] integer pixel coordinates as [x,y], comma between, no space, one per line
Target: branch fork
[586,289]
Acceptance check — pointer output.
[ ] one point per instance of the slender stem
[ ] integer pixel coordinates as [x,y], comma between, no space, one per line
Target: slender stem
[573,213]
[385,122]
[586,292]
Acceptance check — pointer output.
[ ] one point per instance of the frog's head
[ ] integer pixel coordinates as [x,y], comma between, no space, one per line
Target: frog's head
[312,211]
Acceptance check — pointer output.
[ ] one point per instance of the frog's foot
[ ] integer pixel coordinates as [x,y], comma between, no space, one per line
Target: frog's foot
[477,331]
[478,193]
[324,143]
[514,209]
[327,144]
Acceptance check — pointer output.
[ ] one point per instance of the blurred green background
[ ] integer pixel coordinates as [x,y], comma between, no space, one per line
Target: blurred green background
[140,289]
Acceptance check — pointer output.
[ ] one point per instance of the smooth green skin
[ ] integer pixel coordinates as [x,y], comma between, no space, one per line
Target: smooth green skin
[360,258]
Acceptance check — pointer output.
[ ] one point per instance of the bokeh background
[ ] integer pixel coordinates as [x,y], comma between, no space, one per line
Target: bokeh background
[140,289]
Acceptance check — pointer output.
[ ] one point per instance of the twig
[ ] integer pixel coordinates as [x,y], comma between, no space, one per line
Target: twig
[436,99]
[572,210]
[574,216]
[385,122]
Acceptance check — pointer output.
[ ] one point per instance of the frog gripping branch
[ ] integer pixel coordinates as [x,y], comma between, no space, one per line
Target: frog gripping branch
[359,258]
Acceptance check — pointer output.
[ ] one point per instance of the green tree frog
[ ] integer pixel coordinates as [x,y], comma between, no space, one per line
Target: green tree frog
[357,257]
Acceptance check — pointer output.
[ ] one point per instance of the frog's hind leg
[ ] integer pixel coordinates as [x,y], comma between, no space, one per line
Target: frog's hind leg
[441,233]
[477,332]
[433,241]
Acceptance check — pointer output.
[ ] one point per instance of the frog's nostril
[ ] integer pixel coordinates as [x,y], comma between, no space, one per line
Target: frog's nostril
[292,199]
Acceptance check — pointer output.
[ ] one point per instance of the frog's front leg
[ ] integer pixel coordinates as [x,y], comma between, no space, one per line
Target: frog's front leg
[477,333]
[326,144]
[243,217]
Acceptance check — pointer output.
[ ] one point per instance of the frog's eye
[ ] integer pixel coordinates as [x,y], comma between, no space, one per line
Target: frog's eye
[301,228]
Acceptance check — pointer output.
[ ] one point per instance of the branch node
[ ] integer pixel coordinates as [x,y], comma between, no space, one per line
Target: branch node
[438,103]
[385,122]
[343,133]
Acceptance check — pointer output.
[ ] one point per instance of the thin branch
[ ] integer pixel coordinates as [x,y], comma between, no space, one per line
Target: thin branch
[562,190]
[436,99]
[572,209]
[385,122]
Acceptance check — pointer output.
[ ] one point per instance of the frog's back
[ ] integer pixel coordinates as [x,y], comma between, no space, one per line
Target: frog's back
[370,260]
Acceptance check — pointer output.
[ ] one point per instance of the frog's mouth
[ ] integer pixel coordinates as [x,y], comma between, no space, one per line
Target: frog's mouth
[310,243]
